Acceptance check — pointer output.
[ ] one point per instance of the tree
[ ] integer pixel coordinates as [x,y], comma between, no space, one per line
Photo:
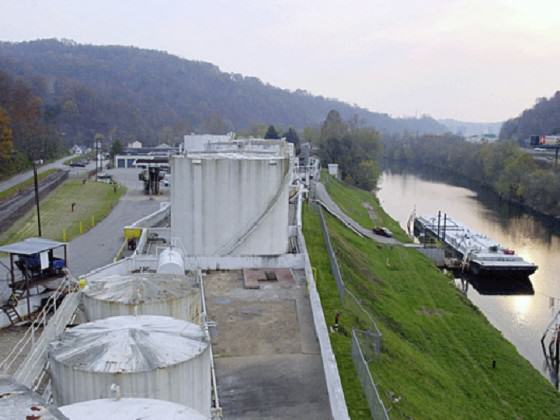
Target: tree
[271,133]
[333,127]
[292,137]
[6,145]
[116,148]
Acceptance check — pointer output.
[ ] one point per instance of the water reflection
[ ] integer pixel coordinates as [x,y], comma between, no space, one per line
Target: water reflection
[521,310]
[497,287]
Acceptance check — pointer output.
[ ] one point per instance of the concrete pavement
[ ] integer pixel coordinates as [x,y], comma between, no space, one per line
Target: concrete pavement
[328,203]
[98,246]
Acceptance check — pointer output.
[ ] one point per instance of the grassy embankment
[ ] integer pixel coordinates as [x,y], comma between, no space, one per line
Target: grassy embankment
[437,347]
[93,199]
[25,184]
[353,201]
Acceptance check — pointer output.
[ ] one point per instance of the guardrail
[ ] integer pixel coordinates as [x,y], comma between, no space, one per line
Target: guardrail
[27,359]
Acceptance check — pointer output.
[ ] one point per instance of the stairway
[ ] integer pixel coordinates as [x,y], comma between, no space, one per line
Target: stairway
[11,313]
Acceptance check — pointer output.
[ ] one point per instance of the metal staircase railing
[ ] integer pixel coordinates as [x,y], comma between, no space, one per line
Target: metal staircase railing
[27,359]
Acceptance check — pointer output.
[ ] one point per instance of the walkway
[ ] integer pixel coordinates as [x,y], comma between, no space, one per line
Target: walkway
[328,203]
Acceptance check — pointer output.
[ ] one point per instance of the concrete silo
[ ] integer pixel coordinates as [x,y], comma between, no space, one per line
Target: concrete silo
[177,296]
[144,356]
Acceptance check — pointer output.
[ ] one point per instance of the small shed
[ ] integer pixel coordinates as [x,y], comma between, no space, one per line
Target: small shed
[37,260]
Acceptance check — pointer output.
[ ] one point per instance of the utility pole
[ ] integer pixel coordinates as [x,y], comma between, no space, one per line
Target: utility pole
[96,157]
[35,163]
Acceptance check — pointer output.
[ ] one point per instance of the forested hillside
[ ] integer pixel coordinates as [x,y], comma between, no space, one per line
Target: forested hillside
[25,131]
[502,166]
[543,118]
[131,93]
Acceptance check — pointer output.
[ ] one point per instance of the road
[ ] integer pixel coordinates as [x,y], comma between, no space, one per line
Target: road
[98,246]
[328,203]
[16,179]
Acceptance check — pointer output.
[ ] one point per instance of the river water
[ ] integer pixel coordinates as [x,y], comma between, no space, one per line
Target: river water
[523,312]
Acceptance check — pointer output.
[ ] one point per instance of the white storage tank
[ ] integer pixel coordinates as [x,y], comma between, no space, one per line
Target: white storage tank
[171,261]
[130,409]
[143,294]
[145,356]
[19,402]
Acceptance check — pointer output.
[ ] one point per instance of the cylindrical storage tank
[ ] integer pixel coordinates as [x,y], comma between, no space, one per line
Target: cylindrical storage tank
[171,261]
[143,294]
[145,356]
[19,402]
[130,409]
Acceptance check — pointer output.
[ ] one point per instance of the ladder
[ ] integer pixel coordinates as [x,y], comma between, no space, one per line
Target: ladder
[12,314]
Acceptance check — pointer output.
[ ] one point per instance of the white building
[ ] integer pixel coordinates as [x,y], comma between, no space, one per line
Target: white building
[333,169]
[198,142]
[135,145]
[232,198]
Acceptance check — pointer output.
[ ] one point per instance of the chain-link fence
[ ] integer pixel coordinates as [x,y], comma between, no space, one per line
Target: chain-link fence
[366,344]
[376,406]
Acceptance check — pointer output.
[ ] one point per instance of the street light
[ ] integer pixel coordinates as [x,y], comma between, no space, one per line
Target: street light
[35,163]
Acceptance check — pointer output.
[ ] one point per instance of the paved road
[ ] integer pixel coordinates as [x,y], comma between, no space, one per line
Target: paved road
[16,179]
[98,246]
[328,203]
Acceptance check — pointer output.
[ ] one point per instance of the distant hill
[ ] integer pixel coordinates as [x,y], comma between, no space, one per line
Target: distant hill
[131,93]
[466,129]
[543,118]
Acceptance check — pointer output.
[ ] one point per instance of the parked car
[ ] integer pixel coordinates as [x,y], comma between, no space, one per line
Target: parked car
[79,164]
[382,231]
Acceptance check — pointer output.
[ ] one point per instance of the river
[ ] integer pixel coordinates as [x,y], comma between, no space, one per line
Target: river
[523,316]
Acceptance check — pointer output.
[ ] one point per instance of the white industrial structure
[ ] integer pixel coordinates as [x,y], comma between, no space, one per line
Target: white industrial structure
[232,198]
[333,169]
[199,142]
[143,294]
[19,402]
[144,356]
[129,409]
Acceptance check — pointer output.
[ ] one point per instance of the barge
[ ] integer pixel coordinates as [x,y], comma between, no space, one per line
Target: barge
[478,253]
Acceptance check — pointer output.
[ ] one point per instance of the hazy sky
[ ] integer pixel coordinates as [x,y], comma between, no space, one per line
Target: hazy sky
[475,60]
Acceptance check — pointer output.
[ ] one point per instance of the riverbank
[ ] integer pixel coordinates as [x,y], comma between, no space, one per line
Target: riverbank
[438,349]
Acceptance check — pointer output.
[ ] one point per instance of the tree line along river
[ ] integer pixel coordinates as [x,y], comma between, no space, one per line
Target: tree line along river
[520,310]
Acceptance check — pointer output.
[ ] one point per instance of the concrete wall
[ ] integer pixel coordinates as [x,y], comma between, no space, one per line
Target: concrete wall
[224,205]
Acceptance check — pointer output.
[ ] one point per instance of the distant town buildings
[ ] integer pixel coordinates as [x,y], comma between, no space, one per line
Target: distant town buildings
[481,138]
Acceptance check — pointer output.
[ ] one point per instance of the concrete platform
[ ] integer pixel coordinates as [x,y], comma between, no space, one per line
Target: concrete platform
[267,357]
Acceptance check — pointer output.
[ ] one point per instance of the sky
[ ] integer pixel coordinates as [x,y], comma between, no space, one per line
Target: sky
[472,60]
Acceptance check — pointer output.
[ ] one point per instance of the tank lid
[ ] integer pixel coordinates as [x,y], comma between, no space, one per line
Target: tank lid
[19,402]
[137,288]
[129,344]
[130,409]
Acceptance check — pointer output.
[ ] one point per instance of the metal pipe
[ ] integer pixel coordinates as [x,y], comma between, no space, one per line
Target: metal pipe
[37,197]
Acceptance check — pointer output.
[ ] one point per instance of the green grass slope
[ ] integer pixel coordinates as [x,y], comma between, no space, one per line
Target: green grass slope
[351,201]
[437,347]
[95,199]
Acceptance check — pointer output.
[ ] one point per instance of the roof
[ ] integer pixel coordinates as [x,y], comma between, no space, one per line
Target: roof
[121,344]
[137,288]
[130,409]
[19,402]
[31,246]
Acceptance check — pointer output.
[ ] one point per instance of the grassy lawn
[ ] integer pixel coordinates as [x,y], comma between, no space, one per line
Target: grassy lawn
[95,199]
[437,347]
[350,200]
[23,185]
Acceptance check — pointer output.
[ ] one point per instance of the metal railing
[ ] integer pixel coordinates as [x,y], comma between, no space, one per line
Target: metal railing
[27,359]
[376,406]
